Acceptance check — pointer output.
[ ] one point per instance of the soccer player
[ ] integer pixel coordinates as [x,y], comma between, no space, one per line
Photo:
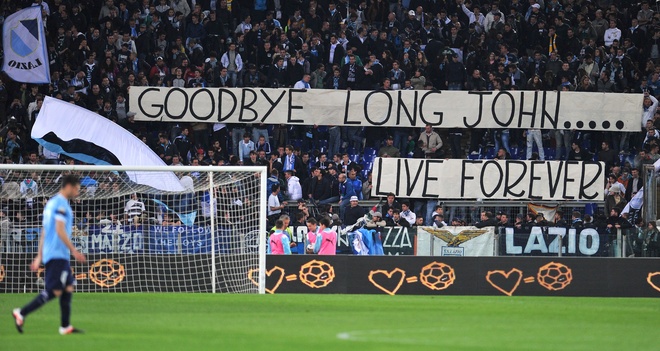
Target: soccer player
[278,243]
[55,250]
[326,241]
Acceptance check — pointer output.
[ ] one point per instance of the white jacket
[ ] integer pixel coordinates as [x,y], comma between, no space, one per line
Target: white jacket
[648,113]
[481,20]
[294,189]
[181,6]
[490,18]
[612,34]
[225,61]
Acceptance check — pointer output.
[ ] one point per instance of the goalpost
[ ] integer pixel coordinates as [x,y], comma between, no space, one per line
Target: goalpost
[143,229]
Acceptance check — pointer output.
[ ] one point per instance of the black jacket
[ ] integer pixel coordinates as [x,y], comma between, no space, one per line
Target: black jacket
[490,222]
[352,214]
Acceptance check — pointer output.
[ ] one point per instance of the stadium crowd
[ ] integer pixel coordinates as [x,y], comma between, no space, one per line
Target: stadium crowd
[98,50]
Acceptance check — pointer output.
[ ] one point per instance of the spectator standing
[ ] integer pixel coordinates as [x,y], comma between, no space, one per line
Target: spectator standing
[432,142]
[455,74]
[635,183]
[534,136]
[563,139]
[408,214]
[233,62]
[184,146]
[389,150]
[615,199]
[357,183]
[303,83]
[396,76]
[611,34]
[290,161]
[293,187]
[577,153]
[245,147]
[650,105]
[487,220]
[607,155]
[352,73]
[134,207]
[263,145]
[346,192]
[165,149]
[274,206]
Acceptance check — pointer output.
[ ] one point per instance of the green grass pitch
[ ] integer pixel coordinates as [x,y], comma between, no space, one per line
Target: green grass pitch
[336,322]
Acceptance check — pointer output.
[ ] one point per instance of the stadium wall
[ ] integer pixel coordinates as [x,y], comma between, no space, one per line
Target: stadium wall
[393,275]
[533,276]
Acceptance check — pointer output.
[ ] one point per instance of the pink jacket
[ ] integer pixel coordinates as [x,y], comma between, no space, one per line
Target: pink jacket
[326,243]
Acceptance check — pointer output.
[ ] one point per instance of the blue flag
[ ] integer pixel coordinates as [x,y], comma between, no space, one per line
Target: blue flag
[187,219]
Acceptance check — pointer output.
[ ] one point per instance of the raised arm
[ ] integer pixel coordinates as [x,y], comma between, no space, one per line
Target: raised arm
[466,10]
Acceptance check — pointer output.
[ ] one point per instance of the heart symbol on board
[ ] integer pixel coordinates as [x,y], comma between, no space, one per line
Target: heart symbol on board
[654,280]
[505,282]
[373,275]
[272,271]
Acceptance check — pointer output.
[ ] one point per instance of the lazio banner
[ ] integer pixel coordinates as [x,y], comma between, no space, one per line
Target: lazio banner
[455,241]
[26,56]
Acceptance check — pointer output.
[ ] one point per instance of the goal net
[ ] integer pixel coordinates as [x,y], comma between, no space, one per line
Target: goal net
[143,229]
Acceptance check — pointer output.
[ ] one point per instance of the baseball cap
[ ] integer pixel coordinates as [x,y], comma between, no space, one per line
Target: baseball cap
[354,198]
[411,13]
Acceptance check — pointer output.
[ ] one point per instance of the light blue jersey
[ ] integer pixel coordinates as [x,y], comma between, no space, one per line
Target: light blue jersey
[57,209]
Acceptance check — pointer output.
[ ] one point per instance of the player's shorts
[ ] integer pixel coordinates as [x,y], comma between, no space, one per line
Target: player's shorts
[59,275]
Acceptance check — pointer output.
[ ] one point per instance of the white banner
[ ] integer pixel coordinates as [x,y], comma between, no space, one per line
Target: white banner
[455,241]
[405,108]
[24,44]
[67,129]
[489,179]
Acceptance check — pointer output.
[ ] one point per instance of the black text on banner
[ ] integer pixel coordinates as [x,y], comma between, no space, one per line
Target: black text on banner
[446,109]
[489,179]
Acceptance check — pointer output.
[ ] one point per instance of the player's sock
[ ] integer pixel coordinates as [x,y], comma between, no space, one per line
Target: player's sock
[41,299]
[65,308]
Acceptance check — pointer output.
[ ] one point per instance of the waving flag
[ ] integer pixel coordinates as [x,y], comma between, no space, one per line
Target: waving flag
[24,44]
[635,203]
[187,219]
[71,130]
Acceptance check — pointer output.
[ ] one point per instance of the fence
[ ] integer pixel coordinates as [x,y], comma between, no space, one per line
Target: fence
[420,241]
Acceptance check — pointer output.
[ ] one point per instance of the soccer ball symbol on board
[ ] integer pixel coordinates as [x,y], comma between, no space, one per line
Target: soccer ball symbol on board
[107,273]
[317,274]
[437,276]
[554,276]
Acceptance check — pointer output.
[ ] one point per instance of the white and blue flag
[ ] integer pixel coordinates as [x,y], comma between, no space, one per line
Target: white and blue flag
[24,44]
[71,130]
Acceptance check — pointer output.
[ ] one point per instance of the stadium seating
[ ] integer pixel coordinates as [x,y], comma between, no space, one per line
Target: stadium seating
[369,157]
